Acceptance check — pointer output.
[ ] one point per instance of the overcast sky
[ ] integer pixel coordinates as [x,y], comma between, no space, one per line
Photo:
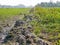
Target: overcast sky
[25,2]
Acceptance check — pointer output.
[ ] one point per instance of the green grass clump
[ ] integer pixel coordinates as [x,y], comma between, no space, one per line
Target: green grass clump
[48,22]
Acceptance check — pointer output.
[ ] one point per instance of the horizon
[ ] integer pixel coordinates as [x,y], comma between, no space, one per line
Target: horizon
[23,2]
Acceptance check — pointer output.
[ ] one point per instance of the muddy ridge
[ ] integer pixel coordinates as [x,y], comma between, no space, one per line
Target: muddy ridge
[19,31]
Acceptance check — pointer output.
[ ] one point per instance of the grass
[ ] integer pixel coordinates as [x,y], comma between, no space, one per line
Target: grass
[48,23]
[12,11]
[8,12]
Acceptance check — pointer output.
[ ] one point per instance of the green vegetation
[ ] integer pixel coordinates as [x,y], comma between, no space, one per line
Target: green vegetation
[47,25]
[8,12]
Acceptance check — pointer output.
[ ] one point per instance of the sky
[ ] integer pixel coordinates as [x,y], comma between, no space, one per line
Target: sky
[24,2]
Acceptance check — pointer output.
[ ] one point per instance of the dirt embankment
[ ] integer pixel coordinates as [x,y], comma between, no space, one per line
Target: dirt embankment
[18,31]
